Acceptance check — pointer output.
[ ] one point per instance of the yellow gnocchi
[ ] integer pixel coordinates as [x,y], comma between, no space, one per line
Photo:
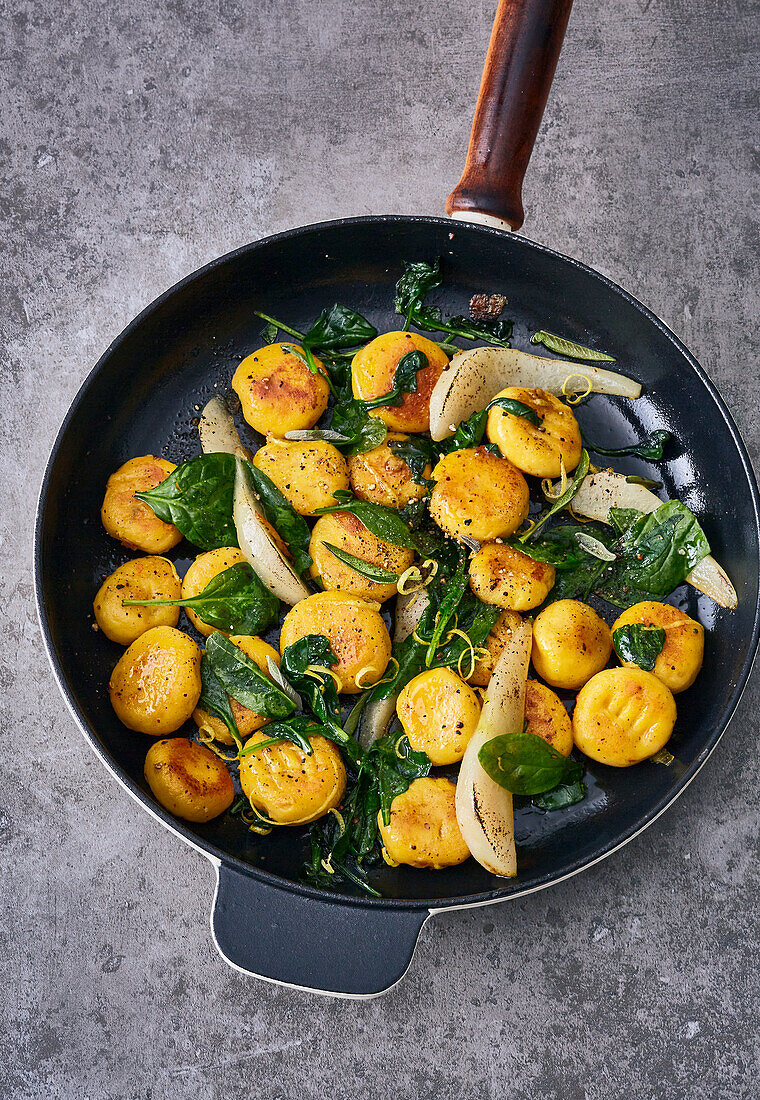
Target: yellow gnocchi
[570,643]
[344,531]
[278,392]
[307,474]
[439,713]
[546,717]
[504,576]
[680,660]
[132,521]
[373,371]
[478,494]
[150,578]
[156,684]
[188,779]
[623,716]
[288,787]
[541,450]
[355,630]
[423,829]
[383,477]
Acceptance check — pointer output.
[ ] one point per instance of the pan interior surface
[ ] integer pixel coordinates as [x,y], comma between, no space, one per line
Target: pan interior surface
[145,396]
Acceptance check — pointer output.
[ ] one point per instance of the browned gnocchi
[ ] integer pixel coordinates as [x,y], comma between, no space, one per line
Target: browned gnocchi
[307,474]
[132,521]
[478,494]
[278,391]
[150,578]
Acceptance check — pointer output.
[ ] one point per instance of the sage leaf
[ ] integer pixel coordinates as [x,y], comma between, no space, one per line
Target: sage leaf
[569,348]
[364,568]
[594,547]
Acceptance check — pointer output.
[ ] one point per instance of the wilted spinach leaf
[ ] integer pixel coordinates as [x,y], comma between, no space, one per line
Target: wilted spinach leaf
[197,499]
[526,764]
[566,794]
[235,601]
[338,328]
[215,699]
[650,448]
[416,282]
[244,681]
[639,643]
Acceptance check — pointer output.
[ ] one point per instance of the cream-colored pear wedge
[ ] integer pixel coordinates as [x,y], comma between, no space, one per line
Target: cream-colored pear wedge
[474,377]
[607,489]
[378,714]
[217,430]
[258,544]
[484,809]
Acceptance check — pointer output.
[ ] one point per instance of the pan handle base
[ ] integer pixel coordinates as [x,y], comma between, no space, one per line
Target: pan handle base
[329,947]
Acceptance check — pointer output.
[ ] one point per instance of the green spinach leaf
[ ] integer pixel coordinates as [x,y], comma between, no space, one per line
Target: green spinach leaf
[292,528]
[639,643]
[526,764]
[418,452]
[660,549]
[338,328]
[297,729]
[299,665]
[244,681]
[455,590]
[650,448]
[235,601]
[362,432]
[197,499]
[566,794]
[215,699]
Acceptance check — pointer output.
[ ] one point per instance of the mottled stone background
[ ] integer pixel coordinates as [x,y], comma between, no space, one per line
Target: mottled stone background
[139,140]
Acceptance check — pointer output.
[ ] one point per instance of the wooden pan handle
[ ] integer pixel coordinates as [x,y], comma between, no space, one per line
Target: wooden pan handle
[522,56]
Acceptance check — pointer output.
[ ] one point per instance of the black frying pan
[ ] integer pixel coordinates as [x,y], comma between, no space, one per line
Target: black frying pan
[143,397]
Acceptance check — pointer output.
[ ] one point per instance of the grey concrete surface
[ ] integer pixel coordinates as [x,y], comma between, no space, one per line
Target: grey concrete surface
[138,142]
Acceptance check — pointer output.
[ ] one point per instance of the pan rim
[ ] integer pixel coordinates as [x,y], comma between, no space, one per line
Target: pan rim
[218,855]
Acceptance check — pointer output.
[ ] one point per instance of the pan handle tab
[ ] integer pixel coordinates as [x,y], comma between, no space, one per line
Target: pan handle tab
[522,56]
[327,946]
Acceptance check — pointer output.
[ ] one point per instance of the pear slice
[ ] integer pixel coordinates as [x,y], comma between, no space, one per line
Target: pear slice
[378,714]
[217,430]
[607,489]
[259,542]
[474,377]
[484,809]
